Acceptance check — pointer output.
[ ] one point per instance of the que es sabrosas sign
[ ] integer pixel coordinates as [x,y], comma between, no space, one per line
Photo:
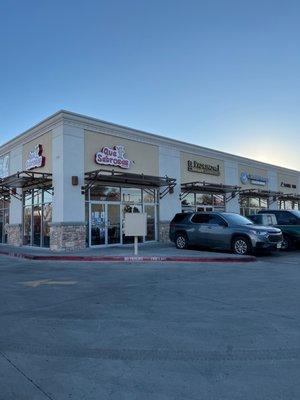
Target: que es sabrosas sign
[114,156]
[35,158]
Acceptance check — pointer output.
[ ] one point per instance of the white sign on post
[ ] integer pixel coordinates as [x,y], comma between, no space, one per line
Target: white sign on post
[135,225]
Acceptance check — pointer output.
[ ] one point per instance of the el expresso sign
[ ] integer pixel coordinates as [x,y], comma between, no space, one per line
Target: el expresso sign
[203,168]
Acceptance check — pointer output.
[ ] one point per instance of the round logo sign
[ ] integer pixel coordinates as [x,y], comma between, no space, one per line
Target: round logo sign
[244,177]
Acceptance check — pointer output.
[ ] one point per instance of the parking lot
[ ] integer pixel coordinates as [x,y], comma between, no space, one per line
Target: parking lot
[71,330]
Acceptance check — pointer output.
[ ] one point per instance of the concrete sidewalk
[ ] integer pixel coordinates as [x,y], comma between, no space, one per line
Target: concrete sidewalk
[147,252]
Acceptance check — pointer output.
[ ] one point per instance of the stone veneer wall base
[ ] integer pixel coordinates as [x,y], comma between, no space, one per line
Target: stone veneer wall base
[164,227]
[14,234]
[66,236]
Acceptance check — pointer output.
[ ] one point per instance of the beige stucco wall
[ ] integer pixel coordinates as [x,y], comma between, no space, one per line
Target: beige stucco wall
[253,171]
[289,179]
[189,176]
[143,155]
[46,141]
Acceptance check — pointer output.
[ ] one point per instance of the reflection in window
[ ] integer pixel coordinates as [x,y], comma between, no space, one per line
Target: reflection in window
[149,196]
[254,202]
[105,193]
[131,195]
[188,200]
[219,200]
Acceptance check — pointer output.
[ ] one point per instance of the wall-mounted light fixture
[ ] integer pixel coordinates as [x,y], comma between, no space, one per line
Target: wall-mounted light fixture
[74,180]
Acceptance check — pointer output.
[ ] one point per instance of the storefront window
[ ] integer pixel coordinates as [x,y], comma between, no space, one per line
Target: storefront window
[105,193]
[131,195]
[27,225]
[47,218]
[37,196]
[263,203]
[149,196]
[188,200]
[252,205]
[150,211]
[105,220]
[254,202]
[203,202]
[27,198]
[4,219]
[219,200]
[37,214]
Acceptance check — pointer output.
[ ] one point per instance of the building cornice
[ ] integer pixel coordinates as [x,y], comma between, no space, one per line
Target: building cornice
[100,126]
[96,125]
[37,130]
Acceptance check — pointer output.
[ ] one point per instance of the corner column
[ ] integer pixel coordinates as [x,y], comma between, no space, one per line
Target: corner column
[273,186]
[68,229]
[169,164]
[232,178]
[14,228]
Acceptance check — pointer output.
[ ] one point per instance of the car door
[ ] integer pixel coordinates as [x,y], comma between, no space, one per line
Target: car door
[218,233]
[199,229]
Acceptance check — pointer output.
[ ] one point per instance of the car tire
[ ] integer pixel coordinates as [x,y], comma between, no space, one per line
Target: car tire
[241,246]
[181,241]
[286,243]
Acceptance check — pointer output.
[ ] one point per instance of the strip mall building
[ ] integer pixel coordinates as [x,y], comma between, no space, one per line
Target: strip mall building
[67,183]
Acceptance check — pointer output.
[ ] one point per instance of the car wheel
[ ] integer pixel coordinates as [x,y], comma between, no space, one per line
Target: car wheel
[181,241]
[241,246]
[286,243]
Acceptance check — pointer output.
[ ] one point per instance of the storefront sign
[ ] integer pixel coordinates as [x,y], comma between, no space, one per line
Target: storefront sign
[113,156]
[35,158]
[253,179]
[288,185]
[4,166]
[207,169]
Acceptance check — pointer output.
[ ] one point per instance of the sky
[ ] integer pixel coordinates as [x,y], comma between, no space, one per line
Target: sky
[220,74]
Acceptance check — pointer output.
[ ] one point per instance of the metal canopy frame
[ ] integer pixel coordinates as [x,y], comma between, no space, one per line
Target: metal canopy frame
[103,176]
[260,193]
[210,188]
[25,180]
[289,196]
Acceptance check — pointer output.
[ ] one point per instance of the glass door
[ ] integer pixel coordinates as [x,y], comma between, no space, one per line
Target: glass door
[113,224]
[105,224]
[97,224]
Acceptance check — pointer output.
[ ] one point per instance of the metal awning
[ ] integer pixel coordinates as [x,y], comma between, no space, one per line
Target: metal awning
[259,193]
[209,188]
[289,196]
[104,177]
[26,179]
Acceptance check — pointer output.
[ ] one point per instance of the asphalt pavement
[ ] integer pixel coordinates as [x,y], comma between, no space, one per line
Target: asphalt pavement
[73,330]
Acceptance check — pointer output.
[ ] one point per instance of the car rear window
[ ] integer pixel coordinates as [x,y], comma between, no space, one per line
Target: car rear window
[200,218]
[179,218]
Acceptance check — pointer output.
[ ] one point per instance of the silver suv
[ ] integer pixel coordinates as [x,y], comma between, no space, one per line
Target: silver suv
[223,230]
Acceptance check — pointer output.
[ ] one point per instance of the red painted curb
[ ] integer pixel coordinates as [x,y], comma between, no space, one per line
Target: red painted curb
[129,258]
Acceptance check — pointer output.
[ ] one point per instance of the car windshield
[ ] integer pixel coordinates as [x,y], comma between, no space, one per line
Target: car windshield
[296,213]
[237,219]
